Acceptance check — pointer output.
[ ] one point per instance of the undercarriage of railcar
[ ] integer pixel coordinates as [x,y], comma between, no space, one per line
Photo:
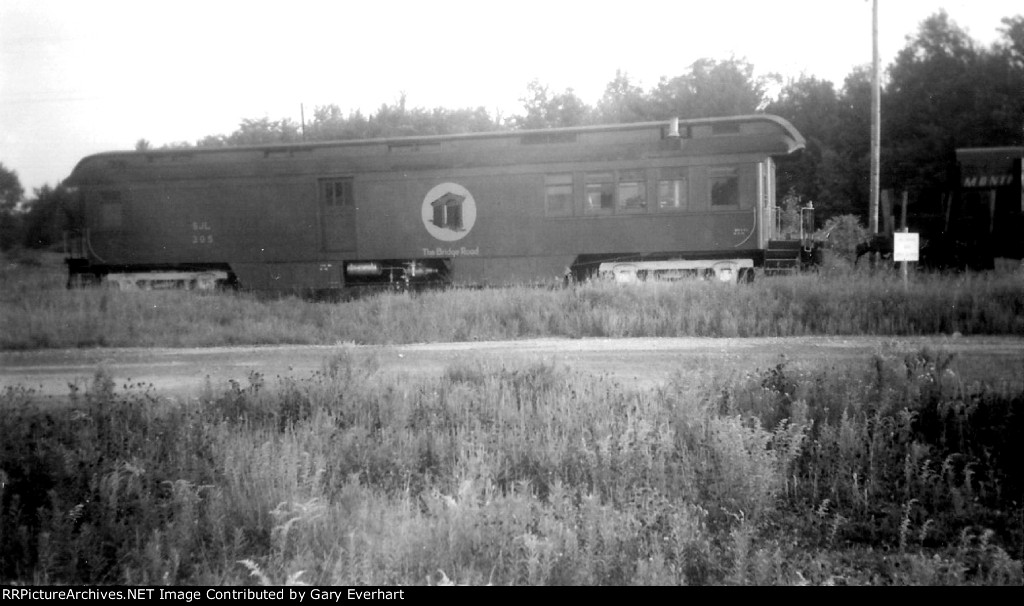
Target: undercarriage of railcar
[151,277]
[626,268]
[397,273]
[359,276]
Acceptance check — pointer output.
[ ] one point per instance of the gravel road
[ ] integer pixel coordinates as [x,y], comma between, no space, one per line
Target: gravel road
[645,362]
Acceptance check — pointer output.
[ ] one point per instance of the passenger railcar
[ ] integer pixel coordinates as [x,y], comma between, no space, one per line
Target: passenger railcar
[634,200]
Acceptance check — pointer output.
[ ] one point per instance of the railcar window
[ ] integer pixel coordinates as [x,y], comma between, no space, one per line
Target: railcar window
[673,186]
[725,187]
[632,191]
[111,213]
[336,192]
[600,198]
[558,195]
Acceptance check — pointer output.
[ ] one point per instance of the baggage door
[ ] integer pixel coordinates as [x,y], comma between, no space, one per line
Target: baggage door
[337,215]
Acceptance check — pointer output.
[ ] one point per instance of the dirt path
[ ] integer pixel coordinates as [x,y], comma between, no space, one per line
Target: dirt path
[645,362]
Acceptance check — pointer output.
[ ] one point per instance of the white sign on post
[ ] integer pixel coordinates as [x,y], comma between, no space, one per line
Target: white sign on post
[905,247]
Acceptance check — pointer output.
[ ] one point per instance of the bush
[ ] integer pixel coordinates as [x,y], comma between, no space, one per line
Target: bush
[842,234]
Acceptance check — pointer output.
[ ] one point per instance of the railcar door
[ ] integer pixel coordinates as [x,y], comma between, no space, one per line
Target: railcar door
[337,215]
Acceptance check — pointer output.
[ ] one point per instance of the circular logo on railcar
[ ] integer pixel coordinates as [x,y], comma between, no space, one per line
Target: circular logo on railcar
[449,212]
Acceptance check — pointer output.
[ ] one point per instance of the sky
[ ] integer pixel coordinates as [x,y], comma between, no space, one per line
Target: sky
[79,77]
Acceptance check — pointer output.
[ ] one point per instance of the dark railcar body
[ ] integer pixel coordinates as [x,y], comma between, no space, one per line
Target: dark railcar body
[493,208]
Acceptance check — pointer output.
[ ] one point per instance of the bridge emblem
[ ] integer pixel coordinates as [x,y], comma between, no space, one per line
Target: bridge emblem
[448,212]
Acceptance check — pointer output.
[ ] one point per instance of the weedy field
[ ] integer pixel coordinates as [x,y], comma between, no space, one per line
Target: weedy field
[38,312]
[898,472]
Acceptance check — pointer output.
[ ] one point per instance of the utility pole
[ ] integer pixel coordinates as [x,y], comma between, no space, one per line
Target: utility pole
[876,110]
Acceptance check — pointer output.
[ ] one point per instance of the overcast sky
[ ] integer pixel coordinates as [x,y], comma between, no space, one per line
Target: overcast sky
[83,76]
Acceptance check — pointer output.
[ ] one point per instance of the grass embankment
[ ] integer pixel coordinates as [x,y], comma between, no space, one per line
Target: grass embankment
[38,312]
[894,473]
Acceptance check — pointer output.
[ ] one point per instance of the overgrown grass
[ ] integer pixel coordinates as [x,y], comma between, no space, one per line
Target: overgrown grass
[36,311]
[894,473]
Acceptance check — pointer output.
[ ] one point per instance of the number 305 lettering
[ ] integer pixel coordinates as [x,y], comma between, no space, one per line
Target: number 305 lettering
[204,239]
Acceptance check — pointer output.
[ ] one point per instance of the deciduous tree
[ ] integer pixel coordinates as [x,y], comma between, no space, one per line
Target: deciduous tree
[623,102]
[11,190]
[815,174]
[50,213]
[711,88]
[545,109]
[11,193]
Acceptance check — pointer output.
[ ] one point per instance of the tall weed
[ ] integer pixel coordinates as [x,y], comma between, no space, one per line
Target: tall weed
[41,313]
[898,472]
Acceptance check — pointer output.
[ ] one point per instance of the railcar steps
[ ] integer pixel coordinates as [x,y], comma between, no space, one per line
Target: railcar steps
[782,257]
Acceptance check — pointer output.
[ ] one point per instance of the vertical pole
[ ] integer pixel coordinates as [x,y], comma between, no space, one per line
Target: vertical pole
[903,212]
[876,130]
[947,205]
[991,210]
[886,221]
[302,113]
[903,264]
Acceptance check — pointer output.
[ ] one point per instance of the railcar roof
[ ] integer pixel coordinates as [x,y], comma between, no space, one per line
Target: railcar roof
[786,140]
[783,124]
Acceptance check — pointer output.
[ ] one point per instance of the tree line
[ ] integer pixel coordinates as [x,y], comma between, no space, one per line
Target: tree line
[943,91]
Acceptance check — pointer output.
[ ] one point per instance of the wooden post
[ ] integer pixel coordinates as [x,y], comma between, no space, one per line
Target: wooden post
[947,206]
[903,264]
[884,224]
[991,210]
[903,228]
[903,212]
[885,205]
[876,131]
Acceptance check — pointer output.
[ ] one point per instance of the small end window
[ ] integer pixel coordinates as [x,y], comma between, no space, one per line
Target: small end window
[725,187]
